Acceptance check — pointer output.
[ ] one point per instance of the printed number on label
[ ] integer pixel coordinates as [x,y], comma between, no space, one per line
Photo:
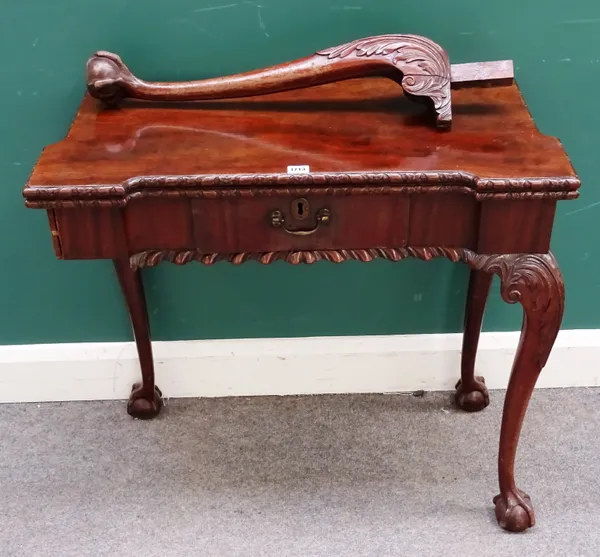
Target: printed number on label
[298,169]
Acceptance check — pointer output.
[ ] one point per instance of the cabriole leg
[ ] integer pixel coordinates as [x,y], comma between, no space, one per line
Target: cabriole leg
[534,281]
[471,392]
[145,400]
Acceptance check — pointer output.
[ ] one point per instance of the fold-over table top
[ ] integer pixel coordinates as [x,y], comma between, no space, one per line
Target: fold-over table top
[357,127]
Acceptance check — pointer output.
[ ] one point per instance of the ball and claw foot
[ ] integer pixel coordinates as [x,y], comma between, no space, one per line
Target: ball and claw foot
[514,511]
[475,399]
[142,408]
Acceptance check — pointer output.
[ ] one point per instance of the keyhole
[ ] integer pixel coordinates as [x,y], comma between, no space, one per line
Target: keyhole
[300,208]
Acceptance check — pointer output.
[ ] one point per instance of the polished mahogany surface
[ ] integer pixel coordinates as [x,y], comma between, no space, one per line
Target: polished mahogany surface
[208,181]
[352,126]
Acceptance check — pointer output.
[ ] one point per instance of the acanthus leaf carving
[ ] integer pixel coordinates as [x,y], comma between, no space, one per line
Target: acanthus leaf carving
[424,64]
[533,280]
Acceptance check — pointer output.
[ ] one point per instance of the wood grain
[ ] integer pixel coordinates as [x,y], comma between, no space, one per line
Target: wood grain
[207,182]
[417,63]
[354,133]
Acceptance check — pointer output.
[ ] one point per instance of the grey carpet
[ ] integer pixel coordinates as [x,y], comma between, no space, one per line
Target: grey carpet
[328,476]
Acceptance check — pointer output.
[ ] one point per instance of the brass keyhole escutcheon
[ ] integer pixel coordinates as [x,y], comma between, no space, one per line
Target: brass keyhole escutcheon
[300,208]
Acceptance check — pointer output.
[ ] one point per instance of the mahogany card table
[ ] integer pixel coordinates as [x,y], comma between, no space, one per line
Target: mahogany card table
[379,148]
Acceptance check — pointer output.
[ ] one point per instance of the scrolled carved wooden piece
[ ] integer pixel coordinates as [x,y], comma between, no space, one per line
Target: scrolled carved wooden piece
[424,65]
[418,64]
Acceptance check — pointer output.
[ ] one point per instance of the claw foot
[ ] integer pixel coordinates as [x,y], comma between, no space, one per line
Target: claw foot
[474,399]
[141,407]
[514,511]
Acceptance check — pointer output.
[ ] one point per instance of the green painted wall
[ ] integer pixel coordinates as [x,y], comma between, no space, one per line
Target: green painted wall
[44,46]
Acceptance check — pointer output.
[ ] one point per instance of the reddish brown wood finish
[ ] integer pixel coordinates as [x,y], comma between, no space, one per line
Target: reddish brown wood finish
[535,282]
[531,222]
[242,225]
[54,232]
[91,232]
[471,393]
[146,399]
[356,132]
[420,66]
[417,63]
[207,182]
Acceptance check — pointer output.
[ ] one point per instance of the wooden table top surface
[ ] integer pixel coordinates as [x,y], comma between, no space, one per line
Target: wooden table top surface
[353,126]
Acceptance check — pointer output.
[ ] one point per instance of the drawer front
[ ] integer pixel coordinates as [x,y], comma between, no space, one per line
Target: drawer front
[258,224]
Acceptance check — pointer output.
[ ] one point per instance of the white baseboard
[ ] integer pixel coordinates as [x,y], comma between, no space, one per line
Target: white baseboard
[364,364]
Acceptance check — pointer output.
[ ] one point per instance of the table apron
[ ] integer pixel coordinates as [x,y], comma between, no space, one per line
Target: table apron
[264,224]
